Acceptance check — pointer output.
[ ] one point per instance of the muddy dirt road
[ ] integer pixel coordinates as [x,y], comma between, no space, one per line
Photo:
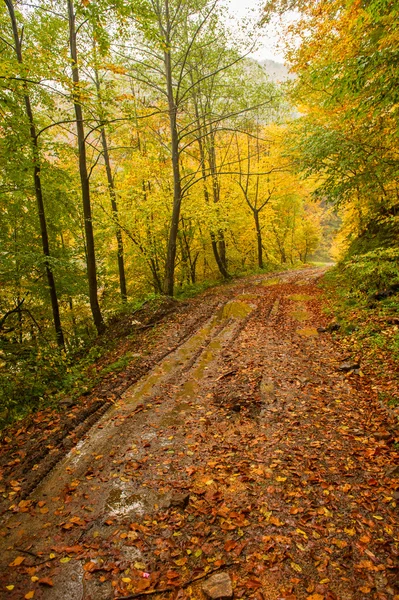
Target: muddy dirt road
[245,452]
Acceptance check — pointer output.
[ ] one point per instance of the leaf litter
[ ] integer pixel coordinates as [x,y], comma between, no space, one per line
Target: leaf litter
[253,456]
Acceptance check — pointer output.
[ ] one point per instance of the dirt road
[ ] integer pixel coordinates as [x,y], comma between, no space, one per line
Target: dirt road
[244,452]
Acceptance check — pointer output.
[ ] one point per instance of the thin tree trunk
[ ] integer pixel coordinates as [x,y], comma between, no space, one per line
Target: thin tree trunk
[221,243]
[84,179]
[258,239]
[38,188]
[221,266]
[114,204]
[174,225]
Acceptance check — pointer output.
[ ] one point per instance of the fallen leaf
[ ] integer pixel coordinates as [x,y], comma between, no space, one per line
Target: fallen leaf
[17,561]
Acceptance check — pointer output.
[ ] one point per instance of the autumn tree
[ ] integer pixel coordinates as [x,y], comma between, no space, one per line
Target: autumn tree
[16,45]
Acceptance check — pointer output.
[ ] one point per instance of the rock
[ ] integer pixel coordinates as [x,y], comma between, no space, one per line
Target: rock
[177,500]
[348,366]
[67,402]
[392,471]
[218,586]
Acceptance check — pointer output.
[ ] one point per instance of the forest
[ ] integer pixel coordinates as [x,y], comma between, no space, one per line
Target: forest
[199,294]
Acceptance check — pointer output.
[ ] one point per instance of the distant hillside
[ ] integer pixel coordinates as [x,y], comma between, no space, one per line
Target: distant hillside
[277,72]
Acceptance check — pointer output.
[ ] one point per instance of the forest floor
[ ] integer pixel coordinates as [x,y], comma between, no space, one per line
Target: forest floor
[238,449]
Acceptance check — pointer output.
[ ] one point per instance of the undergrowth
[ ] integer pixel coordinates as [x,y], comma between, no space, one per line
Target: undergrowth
[364,299]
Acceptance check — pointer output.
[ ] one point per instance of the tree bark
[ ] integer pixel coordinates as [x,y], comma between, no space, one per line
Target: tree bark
[114,206]
[38,188]
[221,265]
[84,179]
[258,239]
[177,194]
[112,195]
[174,225]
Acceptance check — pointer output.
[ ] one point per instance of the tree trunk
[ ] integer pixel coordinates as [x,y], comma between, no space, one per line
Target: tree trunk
[38,189]
[114,205]
[84,179]
[174,225]
[258,239]
[112,195]
[221,265]
[221,243]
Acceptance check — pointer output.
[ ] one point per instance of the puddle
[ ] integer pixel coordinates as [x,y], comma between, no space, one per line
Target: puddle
[299,314]
[176,415]
[121,503]
[275,308]
[308,332]
[299,297]
[235,309]
[188,392]
[268,282]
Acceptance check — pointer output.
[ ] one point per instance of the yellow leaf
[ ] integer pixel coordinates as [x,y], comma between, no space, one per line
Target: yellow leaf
[281,478]
[296,567]
[339,543]
[10,587]
[350,531]
[34,579]
[126,579]
[388,529]
[29,595]
[302,533]
[139,565]
[65,559]
[378,517]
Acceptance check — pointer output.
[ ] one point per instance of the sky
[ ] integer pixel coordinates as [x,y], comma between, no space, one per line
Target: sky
[268,47]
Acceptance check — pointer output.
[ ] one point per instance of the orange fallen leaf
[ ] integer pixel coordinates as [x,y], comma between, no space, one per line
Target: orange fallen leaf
[17,561]
[230,545]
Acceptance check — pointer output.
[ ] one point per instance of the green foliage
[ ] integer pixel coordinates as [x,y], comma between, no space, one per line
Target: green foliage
[374,270]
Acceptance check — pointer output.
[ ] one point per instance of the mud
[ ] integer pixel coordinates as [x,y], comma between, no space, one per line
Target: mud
[204,462]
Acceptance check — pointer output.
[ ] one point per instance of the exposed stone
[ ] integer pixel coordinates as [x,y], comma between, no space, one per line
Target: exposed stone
[348,366]
[177,500]
[67,401]
[218,586]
